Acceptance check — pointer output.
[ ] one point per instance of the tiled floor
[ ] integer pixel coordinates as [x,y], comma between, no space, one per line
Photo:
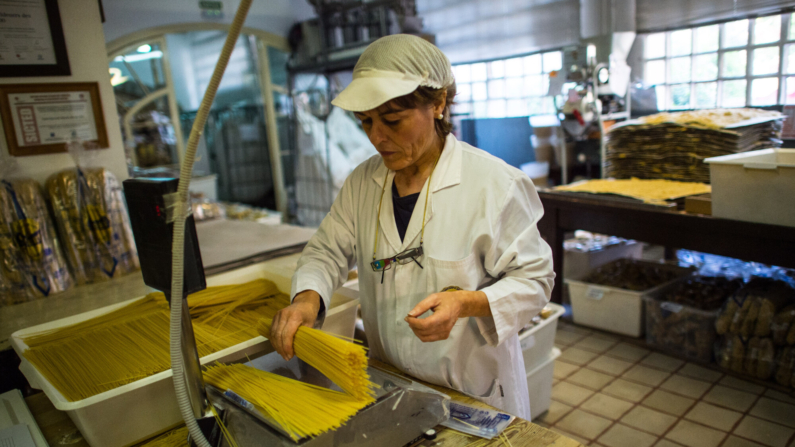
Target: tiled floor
[610,393]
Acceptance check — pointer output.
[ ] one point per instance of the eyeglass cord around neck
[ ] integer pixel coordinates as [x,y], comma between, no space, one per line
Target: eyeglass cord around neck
[380,201]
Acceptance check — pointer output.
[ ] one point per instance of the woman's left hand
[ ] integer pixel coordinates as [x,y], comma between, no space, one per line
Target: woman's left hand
[447,308]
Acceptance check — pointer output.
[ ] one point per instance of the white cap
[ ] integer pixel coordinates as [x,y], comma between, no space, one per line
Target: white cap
[391,67]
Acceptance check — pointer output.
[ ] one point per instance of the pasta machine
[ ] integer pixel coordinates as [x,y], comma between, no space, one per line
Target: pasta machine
[403,410]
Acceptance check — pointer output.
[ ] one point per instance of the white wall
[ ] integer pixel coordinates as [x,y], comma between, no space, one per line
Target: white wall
[123,17]
[85,45]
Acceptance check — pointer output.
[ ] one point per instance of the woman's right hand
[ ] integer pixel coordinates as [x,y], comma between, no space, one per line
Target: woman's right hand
[303,312]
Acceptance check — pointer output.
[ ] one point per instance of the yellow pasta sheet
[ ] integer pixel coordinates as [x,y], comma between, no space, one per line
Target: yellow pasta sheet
[709,118]
[649,191]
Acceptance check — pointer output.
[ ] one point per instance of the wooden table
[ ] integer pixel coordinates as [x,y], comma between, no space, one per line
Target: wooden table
[567,212]
[60,431]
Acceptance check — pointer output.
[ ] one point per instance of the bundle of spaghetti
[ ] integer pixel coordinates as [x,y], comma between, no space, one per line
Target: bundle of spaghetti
[151,303]
[131,342]
[106,357]
[177,437]
[222,319]
[343,362]
[299,408]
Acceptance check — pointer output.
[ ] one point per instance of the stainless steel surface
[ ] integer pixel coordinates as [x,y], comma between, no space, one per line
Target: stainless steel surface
[403,411]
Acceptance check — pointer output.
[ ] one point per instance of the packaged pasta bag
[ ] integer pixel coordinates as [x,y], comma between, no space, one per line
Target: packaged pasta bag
[92,219]
[785,370]
[32,264]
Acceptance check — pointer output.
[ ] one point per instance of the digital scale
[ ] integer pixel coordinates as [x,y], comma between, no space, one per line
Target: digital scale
[404,410]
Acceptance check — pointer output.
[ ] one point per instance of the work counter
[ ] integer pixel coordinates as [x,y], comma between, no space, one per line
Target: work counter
[60,431]
[631,219]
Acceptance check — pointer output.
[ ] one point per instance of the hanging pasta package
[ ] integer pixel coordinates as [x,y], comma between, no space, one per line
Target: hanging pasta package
[31,261]
[93,223]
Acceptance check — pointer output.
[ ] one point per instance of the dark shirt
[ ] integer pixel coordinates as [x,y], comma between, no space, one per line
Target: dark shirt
[403,207]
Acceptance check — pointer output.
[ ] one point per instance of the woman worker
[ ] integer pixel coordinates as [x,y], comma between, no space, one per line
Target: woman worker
[451,264]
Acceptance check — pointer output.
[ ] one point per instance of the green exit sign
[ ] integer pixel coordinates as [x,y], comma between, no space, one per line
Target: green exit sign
[211,9]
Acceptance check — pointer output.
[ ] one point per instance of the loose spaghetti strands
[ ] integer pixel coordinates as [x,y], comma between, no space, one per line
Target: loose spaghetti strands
[131,343]
[174,438]
[300,409]
[483,442]
[343,362]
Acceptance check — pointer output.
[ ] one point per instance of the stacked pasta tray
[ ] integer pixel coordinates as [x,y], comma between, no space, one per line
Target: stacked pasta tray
[673,146]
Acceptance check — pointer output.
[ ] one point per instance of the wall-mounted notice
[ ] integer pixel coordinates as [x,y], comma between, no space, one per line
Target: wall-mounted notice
[41,118]
[31,39]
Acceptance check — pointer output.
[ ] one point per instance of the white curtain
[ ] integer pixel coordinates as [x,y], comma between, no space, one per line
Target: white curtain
[475,30]
[657,15]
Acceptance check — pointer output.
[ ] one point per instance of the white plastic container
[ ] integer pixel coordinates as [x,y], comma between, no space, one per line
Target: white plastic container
[539,384]
[578,264]
[756,186]
[612,309]
[539,341]
[139,410]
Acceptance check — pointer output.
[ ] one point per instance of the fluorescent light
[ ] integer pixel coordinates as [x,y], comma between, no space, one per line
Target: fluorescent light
[139,57]
[144,48]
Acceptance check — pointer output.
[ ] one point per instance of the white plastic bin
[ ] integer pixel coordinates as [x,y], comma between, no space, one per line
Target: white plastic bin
[756,186]
[578,264]
[539,384]
[612,309]
[539,341]
[138,410]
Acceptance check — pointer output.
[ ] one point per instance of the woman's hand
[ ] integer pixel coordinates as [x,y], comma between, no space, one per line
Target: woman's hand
[303,312]
[447,308]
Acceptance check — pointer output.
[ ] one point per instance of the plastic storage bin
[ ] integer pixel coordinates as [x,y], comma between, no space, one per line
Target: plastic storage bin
[139,410]
[610,308]
[539,341]
[539,384]
[677,327]
[577,264]
[756,186]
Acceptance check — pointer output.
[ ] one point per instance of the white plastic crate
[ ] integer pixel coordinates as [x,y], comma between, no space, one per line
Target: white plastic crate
[756,186]
[141,409]
[577,264]
[612,309]
[539,341]
[539,384]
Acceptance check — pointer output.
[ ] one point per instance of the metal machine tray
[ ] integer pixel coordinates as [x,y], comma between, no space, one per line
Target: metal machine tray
[403,411]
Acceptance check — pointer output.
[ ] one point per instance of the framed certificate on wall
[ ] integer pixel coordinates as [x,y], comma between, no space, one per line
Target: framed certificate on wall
[41,118]
[31,39]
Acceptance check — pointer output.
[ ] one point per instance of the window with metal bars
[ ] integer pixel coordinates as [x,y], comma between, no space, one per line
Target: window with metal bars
[749,62]
[503,88]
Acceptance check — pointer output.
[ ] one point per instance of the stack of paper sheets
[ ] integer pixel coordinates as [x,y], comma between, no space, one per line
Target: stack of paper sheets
[674,145]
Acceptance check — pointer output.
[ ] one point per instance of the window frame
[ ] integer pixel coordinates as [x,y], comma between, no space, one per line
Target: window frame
[781,75]
[470,102]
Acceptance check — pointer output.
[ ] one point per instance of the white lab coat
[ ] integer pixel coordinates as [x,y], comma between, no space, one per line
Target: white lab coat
[480,234]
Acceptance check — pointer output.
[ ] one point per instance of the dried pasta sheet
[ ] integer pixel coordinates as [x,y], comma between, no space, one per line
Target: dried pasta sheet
[713,118]
[93,223]
[673,146]
[649,191]
[32,264]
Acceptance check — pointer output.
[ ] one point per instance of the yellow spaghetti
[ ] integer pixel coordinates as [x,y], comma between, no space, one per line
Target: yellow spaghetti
[131,343]
[301,409]
[343,362]
[174,438]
